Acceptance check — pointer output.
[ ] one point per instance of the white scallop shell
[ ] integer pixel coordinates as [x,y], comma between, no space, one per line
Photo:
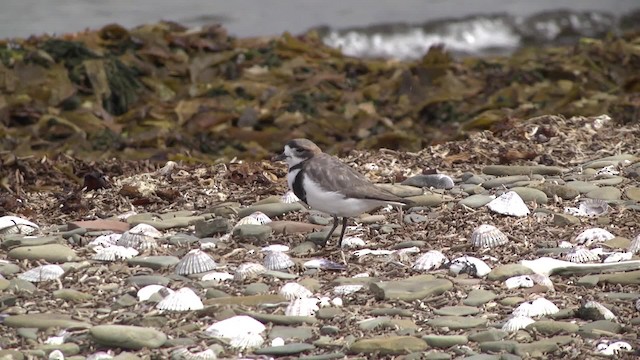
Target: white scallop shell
[115,253]
[347,289]
[195,261]
[292,291]
[256,218]
[522,281]
[634,247]
[104,241]
[594,207]
[276,247]
[352,242]
[593,235]
[431,260]
[509,203]
[42,273]
[140,237]
[234,327]
[516,323]
[538,307]
[469,265]
[145,293]
[289,198]
[616,348]
[323,264]
[183,299]
[216,276]
[277,260]
[185,354]
[302,307]
[565,245]
[16,225]
[277,342]
[246,341]
[606,313]
[581,254]
[617,257]
[248,270]
[488,236]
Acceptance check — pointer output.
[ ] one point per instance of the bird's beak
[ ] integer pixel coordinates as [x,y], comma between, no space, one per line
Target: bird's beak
[279,157]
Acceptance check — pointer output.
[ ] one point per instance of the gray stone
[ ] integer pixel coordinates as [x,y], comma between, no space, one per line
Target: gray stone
[19,285]
[44,321]
[457,322]
[605,193]
[488,335]
[530,194]
[479,297]
[319,220]
[128,337]
[68,349]
[182,240]
[582,186]
[632,193]
[28,333]
[256,288]
[476,201]
[414,218]
[271,210]
[504,181]
[16,240]
[144,280]
[445,341]
[498,346]
[507,170]
[564,192]
[428,200]
[329,312]
[71,295]
[388,345]
[550,327]
[456,311]
[329,330]
[301,333]
[284,350]
[219,225]
[600,326]
[153,262]
[565,220]
[326,356]
[611,181]
[503,272]
[305,248]
[247,231]
[7,269]
[52,253]
[409,289]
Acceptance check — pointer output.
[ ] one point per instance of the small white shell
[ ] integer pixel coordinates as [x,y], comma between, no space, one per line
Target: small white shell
[185,354]
[101,355]
[638,304]
[324,301]
[537,307]
[58,339]
[115,253]
[15,225]
[183,299]
[104,241]
[276,247]
[234,327]
[145,293]
[565,245]
[289,198]
[216,276]
[302,307]
[42,273]
[469,265]
[593,235]
[488,236]
[617,257]
[292,291]
[361,275]
[277,342]
[606,313]
[516,323]
[277,260]
[509,203]
[616,348]
[246,341]
[542,280]
[256,218]
[141,237]
[352,242]
[337,302]
[347,289]
[56,355]
[323,264]
[634,247]
[581,254]
[195,262]
[431,260]
[522,281]
[248,270]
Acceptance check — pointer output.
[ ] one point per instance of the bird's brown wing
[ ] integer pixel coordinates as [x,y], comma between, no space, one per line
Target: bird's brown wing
[333,175]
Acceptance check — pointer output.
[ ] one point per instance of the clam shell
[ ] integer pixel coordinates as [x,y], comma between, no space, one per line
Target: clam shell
[104,241]
[292,291]
[141,237]
[594,207]
[516,323]
[302,307]
[538,307]
[16,225]
[246,341]
[234,327]
[604,312]
[248,270]
[582,255]
[617,257]
[634,247]
[147,292]
[185,354]
[216,276]
[277,260]
[509,203]
[431,260]
[347,289]
[593,235]
[488,236]
[522,281]
[195,261]
[42,273]
[115,253]
[289,198]
[256,218]
[183,299]
[323,264]
[352,242]
[469,265]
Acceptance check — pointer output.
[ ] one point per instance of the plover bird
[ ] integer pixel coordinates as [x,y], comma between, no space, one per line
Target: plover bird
[325,183]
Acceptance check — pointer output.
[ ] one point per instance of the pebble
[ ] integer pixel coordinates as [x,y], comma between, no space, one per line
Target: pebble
[479,297]
[271,210]
[565,220]
[476,201]
[15,240]
[530,194]
[605,193]
[564,192]
[71,295]
[7,269]
[52,253]
[503,272]
[457,322]
[632,193]
[144,280]
[503,181]
[509,170]
[551,327]
[256,289]
[128,337]
[153,262]
[289,332]
[488,335]
[250,231]
[293,227]
[457,310]
[285,350]
[428,200]
[206,228]
[582,186]
[445,341]
[100,225]
[409,289]
[596,327]
[388,345]
[44,321]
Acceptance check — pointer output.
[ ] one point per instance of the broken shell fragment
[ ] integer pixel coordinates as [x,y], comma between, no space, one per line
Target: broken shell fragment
[302,307]
[469,265]
[617,257]
[431,260]
[216,276]
[509,203]
[352,242]
[593,310]
[42,273]
[522,281]
[289,198]
[275,247]
[186,354]
[104,241]
[146,293]
[246,341]
[488,236]
[183,299]
[16,225]
[323,264]
[195,262]
[634,247]
[589,207]
[593,235]
[347,289]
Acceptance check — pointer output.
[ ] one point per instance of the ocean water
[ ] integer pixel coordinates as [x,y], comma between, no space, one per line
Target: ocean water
[399,29]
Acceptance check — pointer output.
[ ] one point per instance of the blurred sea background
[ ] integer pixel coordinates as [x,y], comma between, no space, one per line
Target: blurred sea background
[400,29]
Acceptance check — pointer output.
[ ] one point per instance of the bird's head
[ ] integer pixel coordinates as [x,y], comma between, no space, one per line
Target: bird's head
[297,151]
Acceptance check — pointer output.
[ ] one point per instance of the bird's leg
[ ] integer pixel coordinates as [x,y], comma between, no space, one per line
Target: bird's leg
[333,228]
[344,228]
